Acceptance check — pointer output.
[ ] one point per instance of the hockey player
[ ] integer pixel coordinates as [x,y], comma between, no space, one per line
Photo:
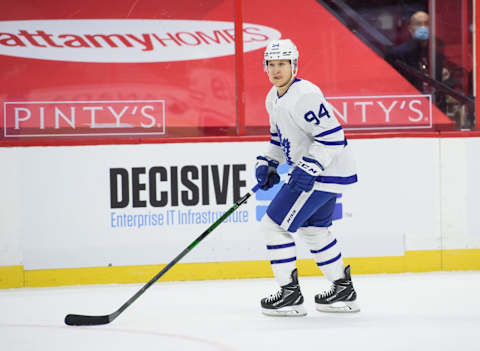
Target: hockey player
[306,135]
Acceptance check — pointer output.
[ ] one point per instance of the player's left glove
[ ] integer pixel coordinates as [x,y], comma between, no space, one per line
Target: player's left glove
[266,172]
[304,174]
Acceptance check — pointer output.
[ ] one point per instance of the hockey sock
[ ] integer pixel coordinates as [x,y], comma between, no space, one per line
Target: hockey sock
[281,250]
[325,250]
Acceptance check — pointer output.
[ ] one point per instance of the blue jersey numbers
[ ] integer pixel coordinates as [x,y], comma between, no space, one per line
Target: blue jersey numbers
[310,116]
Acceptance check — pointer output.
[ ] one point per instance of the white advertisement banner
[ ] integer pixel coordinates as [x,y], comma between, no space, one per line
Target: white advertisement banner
[127,40]
[143,204]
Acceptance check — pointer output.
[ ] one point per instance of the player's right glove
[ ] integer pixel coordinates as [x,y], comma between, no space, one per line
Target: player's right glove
[304,174]
[266,172]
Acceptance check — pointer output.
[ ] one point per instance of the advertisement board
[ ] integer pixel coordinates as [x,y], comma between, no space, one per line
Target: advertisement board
[61,74]
[94,206]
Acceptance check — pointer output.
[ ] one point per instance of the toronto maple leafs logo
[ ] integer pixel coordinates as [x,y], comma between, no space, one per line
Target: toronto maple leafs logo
[285,144]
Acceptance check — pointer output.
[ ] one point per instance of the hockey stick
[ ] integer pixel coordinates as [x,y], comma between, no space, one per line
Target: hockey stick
[78,319]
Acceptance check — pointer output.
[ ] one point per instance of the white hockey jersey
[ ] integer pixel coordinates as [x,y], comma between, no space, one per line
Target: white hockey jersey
[302,123]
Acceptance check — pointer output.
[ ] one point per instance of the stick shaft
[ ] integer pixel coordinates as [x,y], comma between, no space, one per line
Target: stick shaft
[94,320]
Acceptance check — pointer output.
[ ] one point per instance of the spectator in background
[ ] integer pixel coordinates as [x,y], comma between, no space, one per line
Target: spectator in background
[415,53]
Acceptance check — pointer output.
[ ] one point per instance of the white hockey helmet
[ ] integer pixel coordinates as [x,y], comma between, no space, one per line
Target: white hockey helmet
[283,49]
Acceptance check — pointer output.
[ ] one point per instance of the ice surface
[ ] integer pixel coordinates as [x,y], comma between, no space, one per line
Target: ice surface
[423,311]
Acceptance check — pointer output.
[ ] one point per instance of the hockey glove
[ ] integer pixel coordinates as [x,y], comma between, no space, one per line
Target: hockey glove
[304,174]
[266,173]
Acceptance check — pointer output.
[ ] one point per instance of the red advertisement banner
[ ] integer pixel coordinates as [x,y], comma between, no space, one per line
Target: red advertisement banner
[398,111]
[110,70]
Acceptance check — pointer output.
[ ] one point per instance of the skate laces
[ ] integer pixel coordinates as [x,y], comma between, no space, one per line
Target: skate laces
[274,297]
[346,284]
[328,293]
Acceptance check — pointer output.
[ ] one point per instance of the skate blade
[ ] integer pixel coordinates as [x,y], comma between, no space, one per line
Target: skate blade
[289,311]
[339,307]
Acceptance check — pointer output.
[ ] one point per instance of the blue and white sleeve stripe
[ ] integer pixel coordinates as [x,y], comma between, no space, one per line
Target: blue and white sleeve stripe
[328,132]
[275,139]
[331,137]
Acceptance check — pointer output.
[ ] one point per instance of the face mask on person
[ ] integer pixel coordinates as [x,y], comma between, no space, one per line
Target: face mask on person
[421,33]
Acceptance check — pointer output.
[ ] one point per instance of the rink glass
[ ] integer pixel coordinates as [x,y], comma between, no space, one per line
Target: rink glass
[111,73]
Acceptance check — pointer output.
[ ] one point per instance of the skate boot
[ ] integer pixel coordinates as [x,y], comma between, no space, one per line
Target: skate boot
[286,302]
[340,297]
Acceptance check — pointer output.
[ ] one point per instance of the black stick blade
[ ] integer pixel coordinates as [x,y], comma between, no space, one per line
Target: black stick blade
[76,319]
